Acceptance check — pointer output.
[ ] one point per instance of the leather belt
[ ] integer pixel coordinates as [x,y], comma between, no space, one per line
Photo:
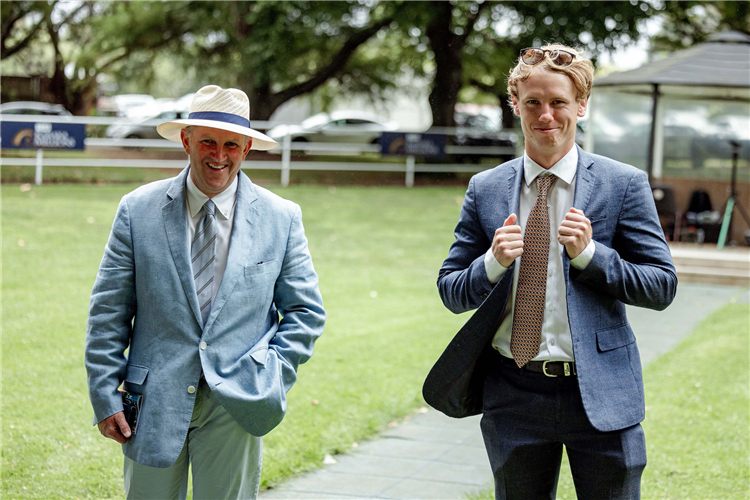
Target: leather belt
[553,368]
[548,368]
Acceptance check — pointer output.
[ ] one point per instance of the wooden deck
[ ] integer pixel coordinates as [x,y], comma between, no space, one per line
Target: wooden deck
[705,264]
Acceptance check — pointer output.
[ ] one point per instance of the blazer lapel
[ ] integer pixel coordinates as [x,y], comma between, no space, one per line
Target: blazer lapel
[175,223]
[586,180]
[514,187]
[241,241]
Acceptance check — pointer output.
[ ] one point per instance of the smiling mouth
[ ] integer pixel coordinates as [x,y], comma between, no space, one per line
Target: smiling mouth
[215,166]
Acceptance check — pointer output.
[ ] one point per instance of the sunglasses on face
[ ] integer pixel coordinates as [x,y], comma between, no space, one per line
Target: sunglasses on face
[532,56]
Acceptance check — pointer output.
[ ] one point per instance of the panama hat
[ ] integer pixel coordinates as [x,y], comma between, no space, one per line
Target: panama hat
[215,107]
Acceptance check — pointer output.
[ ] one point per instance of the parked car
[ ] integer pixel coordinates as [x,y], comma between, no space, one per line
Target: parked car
[336,127]
[145,127]
[33,108]
[124,103]
[481,131]
[729,131]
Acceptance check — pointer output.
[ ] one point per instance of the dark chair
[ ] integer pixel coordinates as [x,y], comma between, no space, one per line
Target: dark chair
[669,217]
[701,219]
[699,202]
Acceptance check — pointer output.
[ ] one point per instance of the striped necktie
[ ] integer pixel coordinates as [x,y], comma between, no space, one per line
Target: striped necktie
[531,292]
[203,256]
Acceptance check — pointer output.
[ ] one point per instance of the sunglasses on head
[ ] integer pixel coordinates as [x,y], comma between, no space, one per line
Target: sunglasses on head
[532,56]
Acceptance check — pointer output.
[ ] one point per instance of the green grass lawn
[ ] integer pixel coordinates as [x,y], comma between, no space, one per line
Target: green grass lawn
[697,416]
[377,251]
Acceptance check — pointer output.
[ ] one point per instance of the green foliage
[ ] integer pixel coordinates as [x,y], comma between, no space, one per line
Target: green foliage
[376,250]
[688,23]
[276,51]
[16,34]
[588,25]
[475,44]
[272,50]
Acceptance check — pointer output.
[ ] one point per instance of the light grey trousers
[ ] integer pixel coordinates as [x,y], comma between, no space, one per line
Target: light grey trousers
[225,460]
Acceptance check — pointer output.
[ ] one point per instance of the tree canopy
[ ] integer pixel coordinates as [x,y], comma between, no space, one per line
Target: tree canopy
[688,23]
[276,51]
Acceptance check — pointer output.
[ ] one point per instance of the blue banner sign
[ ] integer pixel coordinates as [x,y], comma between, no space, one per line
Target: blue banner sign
[42,135]
[429,145]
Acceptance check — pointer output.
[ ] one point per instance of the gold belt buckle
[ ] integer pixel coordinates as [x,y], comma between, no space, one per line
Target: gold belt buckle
[566,369]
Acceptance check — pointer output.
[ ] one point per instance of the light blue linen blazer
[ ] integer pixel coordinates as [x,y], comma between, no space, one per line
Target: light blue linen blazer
[632,265]
[264,321]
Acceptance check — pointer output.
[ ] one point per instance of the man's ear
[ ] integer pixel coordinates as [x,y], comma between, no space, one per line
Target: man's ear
[582,105]
[185,141]
[516,111]
[247,146]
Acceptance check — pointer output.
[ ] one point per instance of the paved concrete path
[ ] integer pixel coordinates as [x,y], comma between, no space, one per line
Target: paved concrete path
[431,456]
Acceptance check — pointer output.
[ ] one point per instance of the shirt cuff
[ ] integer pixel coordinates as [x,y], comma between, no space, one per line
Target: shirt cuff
[583,258]
[494,269]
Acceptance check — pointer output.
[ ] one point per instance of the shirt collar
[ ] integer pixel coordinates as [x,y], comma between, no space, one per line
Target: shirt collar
[224,201]
[564,169]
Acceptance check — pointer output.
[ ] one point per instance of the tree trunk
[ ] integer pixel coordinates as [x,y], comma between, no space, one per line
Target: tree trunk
[448,49]
[262,103]
[58,82]
[508,117]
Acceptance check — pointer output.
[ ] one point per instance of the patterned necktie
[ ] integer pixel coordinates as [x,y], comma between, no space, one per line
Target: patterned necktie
[532,279]
[203,255]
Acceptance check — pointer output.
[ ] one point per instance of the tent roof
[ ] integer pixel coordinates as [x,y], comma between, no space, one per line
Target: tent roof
[722,61]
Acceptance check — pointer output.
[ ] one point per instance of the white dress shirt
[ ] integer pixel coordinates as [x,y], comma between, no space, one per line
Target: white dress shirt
[225,203]
[556,342]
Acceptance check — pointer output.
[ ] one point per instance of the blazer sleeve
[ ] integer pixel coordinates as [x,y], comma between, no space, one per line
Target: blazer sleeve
[638,270]
[463,283]
[299,302]
[111,312]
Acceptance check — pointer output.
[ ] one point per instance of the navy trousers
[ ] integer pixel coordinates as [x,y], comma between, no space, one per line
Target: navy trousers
[529,417]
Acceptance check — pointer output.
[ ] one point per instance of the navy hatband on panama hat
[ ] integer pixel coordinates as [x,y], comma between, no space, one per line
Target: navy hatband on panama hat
[224,109]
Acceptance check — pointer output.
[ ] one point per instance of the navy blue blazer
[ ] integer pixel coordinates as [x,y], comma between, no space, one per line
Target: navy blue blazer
[632,265]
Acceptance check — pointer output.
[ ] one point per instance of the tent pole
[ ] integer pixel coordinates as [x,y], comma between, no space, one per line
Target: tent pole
[652,136]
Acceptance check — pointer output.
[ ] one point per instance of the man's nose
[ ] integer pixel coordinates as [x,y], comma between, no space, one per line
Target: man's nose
[546,114]
[219,154]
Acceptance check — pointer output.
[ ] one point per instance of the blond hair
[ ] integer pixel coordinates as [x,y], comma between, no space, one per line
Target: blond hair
[580,71]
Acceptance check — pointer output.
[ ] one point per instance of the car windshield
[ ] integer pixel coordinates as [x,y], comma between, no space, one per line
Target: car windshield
[315,121]
[478,122]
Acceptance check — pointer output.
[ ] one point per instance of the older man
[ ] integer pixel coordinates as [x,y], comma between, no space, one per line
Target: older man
[550,247]
[208,284]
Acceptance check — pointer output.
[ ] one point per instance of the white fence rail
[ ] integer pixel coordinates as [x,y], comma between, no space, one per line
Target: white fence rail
[285,164]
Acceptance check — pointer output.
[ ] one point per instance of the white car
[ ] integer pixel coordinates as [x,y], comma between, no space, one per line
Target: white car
[33,108]
[126,103]
[336,127]
[142,122]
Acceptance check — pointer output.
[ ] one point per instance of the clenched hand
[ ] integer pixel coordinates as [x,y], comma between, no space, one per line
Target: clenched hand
[574,232]
[115,427]
[508,242]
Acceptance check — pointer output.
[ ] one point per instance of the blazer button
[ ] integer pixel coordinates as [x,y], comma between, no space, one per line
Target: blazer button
[191,390]
[203,346]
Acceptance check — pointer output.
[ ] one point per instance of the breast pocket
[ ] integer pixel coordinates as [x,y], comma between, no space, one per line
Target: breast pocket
[263,267]
[260,280]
